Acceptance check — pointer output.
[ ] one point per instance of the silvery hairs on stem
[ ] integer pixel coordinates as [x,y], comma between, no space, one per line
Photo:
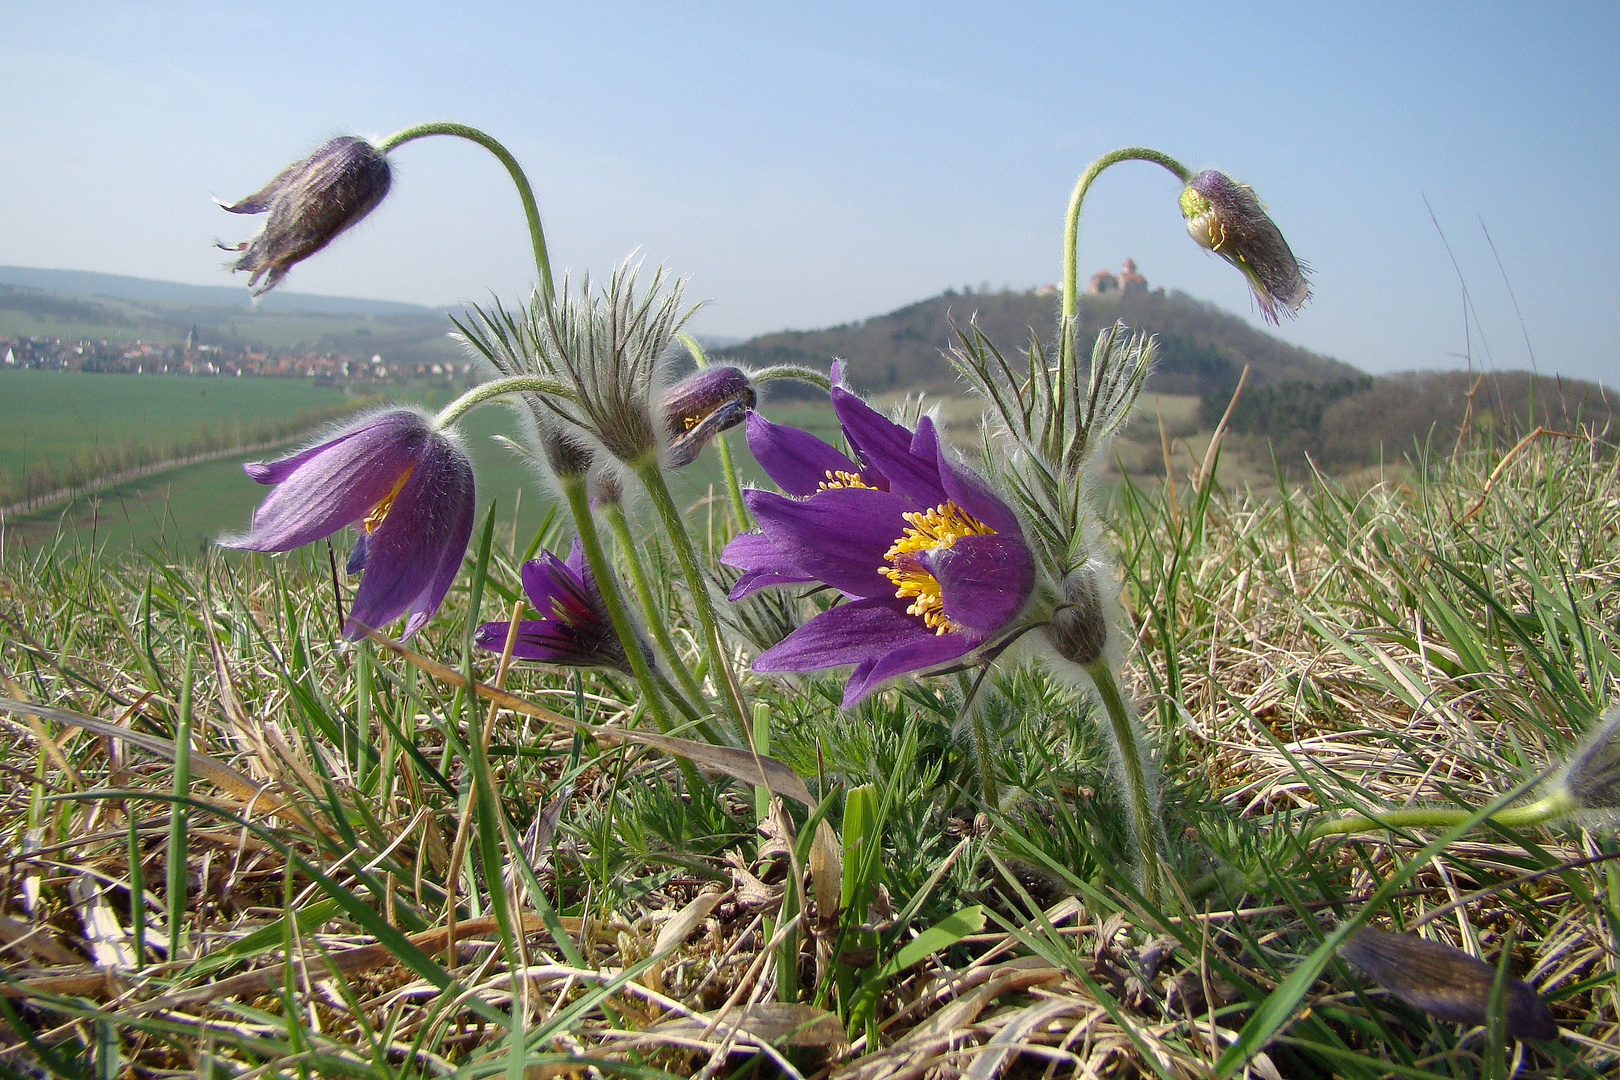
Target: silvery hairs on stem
[1048,420]
[605,347]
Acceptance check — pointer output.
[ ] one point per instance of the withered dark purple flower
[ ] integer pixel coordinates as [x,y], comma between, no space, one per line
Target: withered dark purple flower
[573,629]
[310,202]
[410,489]
[931,563]
[1227,218]
[702,405]
[1446,983]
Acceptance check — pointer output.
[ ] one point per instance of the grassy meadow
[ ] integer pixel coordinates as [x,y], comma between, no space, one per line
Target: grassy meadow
[242,847]
[177,510]
[46,417]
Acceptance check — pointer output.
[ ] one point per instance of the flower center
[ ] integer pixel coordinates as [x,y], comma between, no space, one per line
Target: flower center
[842,479]
[380,511]
[929,530]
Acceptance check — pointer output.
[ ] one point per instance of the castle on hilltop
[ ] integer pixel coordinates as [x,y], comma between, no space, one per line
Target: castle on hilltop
[1128,281]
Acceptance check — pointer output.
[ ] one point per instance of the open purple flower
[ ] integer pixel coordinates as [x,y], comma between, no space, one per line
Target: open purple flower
[573,628]
[931,563]
[407,485]
[309,203]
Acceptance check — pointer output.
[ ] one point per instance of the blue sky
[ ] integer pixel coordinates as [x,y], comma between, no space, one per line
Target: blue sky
[806,166]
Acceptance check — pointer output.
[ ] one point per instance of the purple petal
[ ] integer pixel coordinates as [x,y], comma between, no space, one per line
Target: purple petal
[858,632]
[756,556]
[929,650]
[795,460]
[544,640]
[357,554]
[839,536]
[576,558]
[417,550]
[983,580]
[968,490]
[546,581]
[401,424]
[885,447]
[334,484]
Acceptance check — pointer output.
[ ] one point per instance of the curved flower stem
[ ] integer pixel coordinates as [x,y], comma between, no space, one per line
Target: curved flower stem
[1549,808]
[1139,794]
[649,606]
[791,371]
[1071,229]
[531,210]
[652,477]
[497,388]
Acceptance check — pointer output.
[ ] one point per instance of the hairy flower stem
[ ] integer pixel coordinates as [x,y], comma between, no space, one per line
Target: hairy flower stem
[531,210]
[733,488]
[719,662]
[1071,229]
[1139,795]
[580,504]
[1550,808]
[649,605]
[496,388]
[981,745]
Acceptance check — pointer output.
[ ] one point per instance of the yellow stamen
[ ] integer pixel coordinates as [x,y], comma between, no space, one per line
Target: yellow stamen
[380,511]
[841,479]
[930,530]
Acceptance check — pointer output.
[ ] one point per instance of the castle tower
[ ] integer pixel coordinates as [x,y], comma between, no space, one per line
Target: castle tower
[1129,280]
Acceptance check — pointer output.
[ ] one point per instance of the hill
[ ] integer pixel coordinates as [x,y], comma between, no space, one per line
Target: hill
[1355,423]
[122,287]
[1202,349]
[408,336]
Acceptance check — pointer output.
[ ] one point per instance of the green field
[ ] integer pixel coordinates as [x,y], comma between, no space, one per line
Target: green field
[175,511]
[47,416]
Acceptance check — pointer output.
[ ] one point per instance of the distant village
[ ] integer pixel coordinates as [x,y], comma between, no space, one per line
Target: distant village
[193,358]
[139,357]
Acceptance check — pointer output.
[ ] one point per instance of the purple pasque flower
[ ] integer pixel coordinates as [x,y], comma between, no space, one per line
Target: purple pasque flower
[931,563]
[310,202]
[573,629]
[1228,218]
[406,484]
[702,405]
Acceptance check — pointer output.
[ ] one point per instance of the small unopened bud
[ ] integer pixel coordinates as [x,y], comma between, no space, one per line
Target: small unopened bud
[1227,218]
[702,405]
[1591,780]
[1079,629]
[1446,983]
[565,454]
[605,488]
[310,202]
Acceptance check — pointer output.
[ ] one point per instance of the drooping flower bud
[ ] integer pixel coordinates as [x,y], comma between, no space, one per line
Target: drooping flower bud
[702,405]
[410,489]
[310,202]
[1227,218]
[1079,630]
[1446,983]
